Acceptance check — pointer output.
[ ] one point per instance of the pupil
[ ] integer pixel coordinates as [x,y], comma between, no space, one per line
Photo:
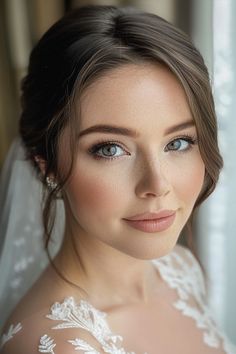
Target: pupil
[110,150]
[175,144]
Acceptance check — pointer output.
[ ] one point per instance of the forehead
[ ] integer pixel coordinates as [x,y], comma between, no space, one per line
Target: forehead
[135,95]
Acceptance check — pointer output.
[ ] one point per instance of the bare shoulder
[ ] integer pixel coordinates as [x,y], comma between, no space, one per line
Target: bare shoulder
[47,320]
[20,335]
[28,328]
[26,321]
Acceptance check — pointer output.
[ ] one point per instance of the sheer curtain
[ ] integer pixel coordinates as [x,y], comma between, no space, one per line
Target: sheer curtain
[216,223]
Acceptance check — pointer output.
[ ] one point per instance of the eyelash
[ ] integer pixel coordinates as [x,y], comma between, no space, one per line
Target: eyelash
[191,140]
[95,148]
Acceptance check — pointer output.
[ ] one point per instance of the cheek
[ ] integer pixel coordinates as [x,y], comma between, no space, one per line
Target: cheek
[92,192]
[189,180]
[187,176]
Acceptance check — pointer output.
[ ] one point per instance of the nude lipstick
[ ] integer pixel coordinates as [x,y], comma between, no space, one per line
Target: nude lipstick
[152,222]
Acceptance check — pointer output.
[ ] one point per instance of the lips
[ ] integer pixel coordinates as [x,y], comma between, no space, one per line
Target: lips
[152,222]
[152,215]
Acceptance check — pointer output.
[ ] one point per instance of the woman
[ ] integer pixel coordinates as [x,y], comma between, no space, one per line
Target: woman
[118,120]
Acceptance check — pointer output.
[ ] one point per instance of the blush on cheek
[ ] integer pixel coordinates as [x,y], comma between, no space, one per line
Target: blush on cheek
[91,193]
[194,183]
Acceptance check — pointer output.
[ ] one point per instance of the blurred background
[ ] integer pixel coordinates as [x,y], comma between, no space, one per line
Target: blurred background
[211,25]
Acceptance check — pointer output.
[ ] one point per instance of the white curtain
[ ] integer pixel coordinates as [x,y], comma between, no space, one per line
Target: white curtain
[215,36]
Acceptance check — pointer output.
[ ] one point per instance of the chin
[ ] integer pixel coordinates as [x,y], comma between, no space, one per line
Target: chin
[152,251]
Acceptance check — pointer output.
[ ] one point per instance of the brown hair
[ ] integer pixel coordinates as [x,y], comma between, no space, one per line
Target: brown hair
[84,45]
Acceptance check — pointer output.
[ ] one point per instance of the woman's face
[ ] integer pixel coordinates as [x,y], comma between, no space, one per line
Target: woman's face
[146,161]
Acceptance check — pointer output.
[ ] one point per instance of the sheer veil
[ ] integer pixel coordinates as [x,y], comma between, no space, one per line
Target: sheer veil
[22,254]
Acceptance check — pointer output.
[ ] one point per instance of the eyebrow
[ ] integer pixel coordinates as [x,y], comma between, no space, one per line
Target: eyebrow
[181,126]
[111,129]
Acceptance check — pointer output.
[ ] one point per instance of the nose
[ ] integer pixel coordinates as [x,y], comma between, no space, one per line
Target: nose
[153,180]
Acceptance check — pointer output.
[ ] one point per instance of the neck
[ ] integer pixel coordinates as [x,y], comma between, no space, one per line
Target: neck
[109,277]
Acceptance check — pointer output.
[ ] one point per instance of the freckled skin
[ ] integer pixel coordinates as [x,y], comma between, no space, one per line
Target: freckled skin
[102,193]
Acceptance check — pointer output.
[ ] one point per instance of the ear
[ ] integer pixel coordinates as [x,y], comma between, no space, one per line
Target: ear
[41,164]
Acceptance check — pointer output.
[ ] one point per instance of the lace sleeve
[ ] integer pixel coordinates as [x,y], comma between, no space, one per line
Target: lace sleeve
[192,269]
[20,338]
[195,285]
[70,326]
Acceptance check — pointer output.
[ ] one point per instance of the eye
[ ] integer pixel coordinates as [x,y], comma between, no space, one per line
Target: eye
[181,144]
[107,150]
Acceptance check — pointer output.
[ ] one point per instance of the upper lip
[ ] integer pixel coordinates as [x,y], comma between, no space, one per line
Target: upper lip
[152,215]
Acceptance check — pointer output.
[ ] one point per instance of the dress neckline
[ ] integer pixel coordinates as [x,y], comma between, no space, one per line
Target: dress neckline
[179,270]
[182,274]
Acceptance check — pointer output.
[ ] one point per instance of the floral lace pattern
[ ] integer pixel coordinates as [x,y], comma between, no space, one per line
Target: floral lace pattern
[46,344]
[183,274]
[11,332]
[188,281]
[85,316]
[80,344]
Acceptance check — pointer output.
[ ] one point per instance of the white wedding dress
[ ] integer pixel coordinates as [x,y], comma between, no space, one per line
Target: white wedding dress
[179,323]
[69,326]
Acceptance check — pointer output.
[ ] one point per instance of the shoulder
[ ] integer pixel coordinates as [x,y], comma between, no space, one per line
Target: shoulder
[31,340]
[47,320]
[40,334]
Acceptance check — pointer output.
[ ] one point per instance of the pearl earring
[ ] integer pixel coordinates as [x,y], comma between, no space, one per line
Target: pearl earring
[50,183]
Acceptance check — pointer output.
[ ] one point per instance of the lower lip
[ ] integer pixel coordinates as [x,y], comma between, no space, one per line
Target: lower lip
[156,225]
